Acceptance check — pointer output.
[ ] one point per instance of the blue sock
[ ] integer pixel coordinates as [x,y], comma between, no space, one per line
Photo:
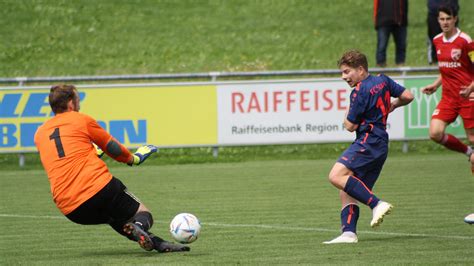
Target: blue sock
[356,189]
[349,217]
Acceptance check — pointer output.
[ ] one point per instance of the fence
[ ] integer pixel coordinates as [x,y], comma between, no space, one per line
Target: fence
[213,76]
[220,113]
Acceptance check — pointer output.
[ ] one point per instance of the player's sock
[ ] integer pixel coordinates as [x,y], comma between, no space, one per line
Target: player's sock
[349,217]
[359,191]
[144,219]
[451,142]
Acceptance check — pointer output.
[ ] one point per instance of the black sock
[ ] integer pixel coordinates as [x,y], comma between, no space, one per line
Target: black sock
[144,219]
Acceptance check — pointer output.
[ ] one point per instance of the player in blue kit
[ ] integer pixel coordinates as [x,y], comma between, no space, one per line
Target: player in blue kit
[358,168]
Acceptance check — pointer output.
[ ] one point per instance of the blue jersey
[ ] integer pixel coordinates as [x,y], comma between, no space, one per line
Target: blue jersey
[369,108]
[370,105]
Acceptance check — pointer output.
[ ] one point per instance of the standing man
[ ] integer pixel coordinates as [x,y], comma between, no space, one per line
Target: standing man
[82,187]
[358,168]
[391,18]
[455,51]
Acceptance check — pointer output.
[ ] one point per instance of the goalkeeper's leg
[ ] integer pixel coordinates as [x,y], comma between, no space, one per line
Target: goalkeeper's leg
[128,216]
[136,229]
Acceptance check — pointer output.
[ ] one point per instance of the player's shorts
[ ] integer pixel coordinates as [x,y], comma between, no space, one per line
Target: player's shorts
[365,160]
[448,113]
[111,204]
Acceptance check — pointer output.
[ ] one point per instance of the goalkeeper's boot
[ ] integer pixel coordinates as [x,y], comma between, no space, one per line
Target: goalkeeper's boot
[344,238]
[469,219]
[378,213]
[164,246]
[138,234]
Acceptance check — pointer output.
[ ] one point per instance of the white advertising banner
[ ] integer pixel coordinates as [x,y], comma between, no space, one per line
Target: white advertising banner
[288,112]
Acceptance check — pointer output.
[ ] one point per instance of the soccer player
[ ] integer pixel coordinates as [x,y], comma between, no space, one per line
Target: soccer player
[455,51]
[358,168]
[82,187]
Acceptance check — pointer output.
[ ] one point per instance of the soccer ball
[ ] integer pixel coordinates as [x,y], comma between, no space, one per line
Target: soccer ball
[185,228]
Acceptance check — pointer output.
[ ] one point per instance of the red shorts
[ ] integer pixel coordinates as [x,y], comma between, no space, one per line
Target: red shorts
[448,112]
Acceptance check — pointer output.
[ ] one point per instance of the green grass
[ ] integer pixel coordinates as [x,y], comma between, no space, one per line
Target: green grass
[258,205]
[240,154]
[261,212]
[60,37]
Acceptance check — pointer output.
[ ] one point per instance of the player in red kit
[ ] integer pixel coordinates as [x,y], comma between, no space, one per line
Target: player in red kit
[455,52]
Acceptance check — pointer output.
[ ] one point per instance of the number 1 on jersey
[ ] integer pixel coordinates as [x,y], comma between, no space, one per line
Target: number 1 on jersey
[57,140]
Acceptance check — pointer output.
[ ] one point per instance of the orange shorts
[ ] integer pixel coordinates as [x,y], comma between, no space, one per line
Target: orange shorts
[448,112]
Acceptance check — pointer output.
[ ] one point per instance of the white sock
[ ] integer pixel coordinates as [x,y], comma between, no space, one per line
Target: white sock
[469,151]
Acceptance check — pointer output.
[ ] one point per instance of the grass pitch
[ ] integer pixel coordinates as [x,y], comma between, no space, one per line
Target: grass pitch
[262,212]
[107,37]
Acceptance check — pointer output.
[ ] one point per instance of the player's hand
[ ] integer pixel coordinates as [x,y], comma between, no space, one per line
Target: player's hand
[142,153]
[98,150]
[430,89]
[466,90]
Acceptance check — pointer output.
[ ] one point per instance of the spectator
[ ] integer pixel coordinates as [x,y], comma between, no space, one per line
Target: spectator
[433,24]
[391,17]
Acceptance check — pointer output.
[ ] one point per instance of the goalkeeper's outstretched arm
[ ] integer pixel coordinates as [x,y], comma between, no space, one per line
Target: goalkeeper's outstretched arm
[113,148]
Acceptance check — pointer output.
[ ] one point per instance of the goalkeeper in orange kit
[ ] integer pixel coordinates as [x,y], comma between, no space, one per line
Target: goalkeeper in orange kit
[82,187]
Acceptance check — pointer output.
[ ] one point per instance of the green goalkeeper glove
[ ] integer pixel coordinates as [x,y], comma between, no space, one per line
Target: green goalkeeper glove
[142,153]
[98,150]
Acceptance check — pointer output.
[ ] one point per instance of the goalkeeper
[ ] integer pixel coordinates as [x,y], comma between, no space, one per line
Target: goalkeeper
[82,187]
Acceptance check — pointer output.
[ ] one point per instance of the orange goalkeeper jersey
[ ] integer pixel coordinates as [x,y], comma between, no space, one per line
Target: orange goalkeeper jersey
[74,171]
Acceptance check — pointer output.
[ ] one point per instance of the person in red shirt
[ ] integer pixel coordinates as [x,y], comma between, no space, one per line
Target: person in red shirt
[455,52]
[82,187]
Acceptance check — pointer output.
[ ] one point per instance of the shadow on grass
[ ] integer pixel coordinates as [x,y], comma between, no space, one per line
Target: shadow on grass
[136,253]
[385,238]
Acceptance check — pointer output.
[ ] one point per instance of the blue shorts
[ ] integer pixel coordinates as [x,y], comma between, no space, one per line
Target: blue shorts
[365,160]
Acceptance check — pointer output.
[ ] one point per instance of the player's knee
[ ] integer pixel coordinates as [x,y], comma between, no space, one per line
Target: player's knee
[337,175]
[436,136]
[334,178]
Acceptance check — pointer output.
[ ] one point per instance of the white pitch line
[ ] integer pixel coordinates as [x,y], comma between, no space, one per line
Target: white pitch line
[276,227]
[313,229]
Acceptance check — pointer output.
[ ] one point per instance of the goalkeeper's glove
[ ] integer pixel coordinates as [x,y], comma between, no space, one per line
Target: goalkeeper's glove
[142,153]
[98,150]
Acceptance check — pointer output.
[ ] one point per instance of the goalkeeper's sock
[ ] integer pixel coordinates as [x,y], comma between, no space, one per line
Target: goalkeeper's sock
[359,191]
[349,217]
[451,142]
[144,220]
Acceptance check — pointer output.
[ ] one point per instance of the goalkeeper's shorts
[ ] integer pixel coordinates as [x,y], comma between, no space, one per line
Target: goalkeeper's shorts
[113,204]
